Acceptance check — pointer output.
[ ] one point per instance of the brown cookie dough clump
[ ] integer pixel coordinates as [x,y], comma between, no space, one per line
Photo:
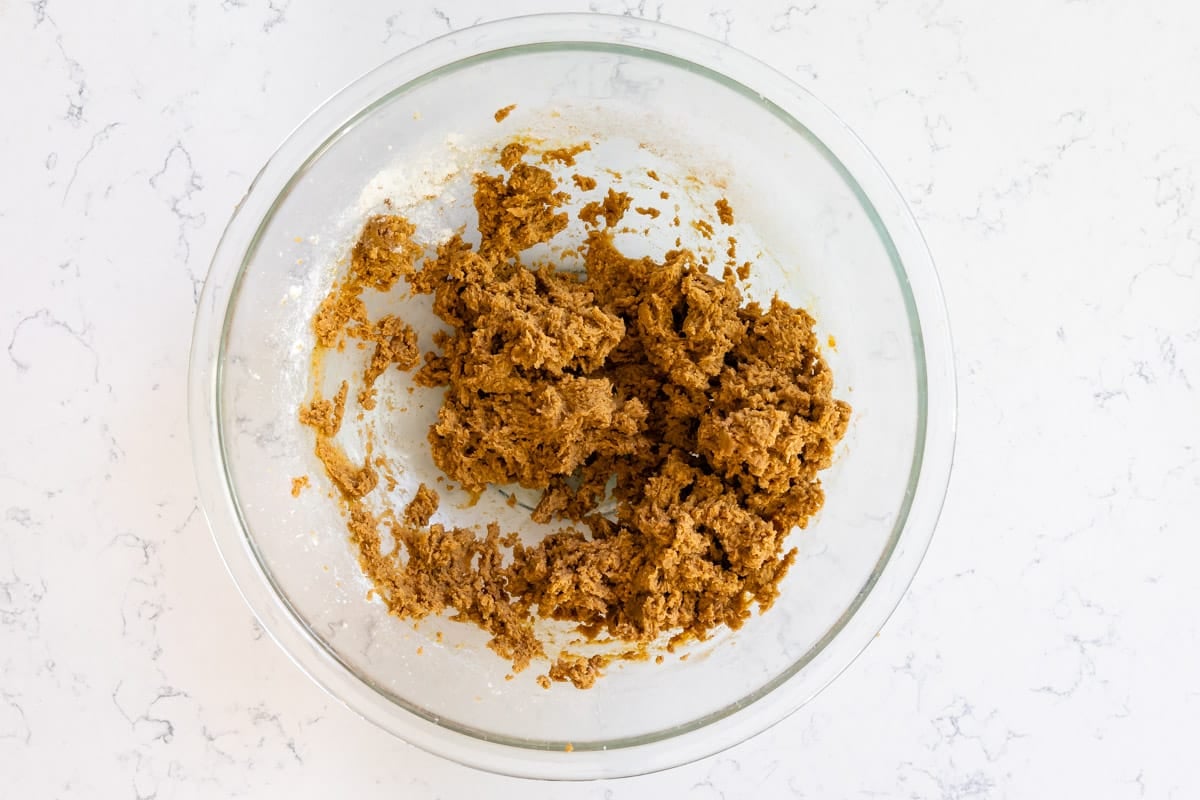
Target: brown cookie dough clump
[703,418]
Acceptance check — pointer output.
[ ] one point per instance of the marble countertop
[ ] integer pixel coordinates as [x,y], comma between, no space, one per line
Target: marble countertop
[1048,647]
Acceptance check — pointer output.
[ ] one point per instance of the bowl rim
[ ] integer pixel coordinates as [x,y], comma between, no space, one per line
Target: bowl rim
[937,402]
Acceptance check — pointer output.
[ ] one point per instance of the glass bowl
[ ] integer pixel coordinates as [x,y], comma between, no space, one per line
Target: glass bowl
[833,235]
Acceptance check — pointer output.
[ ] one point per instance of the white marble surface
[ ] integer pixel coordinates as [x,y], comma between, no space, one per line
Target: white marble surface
[1050,644]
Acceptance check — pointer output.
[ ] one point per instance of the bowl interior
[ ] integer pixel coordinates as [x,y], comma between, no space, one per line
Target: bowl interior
[820,246]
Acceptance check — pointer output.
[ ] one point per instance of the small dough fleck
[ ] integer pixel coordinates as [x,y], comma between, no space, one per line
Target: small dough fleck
[565,155]
[724,212]
[423,506]
[612,209]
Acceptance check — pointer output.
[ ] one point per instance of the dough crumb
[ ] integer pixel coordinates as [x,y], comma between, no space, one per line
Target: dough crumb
[299,484]
[421,508]
[580,671]
[352,481]
[612,208]
[565,155]
[342,306]
[395,343]
[583,182]
[514,213]
[512,154]
[326,415]
[502,114]
[724,212]
[385,252]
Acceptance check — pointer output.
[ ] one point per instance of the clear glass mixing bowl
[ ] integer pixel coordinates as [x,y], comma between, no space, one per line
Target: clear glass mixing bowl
[835,237]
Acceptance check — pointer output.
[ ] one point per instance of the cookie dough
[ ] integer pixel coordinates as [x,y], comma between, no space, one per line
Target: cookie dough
[703,417]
